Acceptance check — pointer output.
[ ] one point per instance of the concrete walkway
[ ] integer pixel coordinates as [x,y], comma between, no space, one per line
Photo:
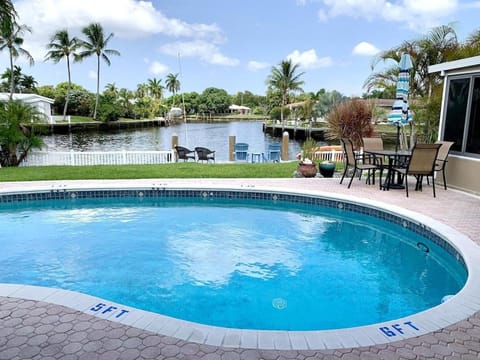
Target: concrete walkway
[38,330]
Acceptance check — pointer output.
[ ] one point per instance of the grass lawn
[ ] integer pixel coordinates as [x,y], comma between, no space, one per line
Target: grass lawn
[177,170]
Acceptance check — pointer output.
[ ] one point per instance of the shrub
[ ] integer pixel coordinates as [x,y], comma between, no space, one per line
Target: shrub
[350,119]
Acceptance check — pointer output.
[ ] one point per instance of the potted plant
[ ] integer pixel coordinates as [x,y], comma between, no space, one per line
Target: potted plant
[306,167]
[326,168]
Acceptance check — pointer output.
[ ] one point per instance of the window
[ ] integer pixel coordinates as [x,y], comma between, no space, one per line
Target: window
[473,136]
[462,116]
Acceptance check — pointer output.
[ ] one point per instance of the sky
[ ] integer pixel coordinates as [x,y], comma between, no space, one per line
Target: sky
[233,44]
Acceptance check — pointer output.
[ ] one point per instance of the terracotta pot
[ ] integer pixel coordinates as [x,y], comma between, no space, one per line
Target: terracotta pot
[307,170]
[326,169]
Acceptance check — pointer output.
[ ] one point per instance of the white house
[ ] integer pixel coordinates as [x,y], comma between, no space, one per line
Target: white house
[42,103]
[460,120]
[239,109]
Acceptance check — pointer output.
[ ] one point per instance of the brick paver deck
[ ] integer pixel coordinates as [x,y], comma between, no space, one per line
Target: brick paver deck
[39,330]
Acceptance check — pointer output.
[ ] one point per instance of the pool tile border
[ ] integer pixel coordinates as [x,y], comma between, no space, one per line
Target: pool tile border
[464,304]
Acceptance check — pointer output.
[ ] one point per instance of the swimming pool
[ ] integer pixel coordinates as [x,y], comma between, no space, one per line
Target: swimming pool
[223,260]
[306,219]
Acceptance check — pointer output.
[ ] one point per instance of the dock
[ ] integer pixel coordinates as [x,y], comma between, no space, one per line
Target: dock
[295,132]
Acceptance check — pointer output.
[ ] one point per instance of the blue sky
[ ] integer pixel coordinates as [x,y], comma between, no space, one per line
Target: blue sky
[233,44]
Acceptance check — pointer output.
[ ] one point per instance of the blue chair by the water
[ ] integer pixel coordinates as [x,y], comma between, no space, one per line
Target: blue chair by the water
[241,151]
[273,152]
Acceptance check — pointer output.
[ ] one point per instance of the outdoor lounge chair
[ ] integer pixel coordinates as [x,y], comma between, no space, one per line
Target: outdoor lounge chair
[184,154]
[352,160]
[204,154]
[273,152]
[241,152]
[421,163]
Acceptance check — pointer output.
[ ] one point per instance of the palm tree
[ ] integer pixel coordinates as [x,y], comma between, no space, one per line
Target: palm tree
[96,44]
[62,46]
[142,90]
[438,46]
[111,89]
[28,84]
[7,13]
[173,85]
[155,88]
[7,76]
[285,79]
[11,38]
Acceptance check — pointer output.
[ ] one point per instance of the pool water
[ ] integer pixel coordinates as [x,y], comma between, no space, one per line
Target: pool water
[228,262]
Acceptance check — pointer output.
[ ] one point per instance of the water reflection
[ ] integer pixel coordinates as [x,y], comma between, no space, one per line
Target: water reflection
[212,135]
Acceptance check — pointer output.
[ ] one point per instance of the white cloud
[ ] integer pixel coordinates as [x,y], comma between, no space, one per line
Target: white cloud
[365,49]
[309,59]
[157,68]
[127,19]
[257,65]
[92,74]
[416,14]
[206,51]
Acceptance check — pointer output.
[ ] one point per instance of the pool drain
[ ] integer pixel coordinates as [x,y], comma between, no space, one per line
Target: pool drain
[279,303]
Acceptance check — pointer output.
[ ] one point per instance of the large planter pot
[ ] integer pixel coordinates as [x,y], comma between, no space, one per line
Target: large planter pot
[326,169]
[307,170]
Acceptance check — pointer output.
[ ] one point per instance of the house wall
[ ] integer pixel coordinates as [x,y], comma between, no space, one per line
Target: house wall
[462,173]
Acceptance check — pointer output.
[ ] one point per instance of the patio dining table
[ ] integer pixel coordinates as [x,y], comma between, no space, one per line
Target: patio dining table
[394,157]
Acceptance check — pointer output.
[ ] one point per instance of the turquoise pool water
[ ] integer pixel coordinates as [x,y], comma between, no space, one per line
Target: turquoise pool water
[228,262]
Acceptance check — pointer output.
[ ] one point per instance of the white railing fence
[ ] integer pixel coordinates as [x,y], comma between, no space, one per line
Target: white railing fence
[331,155]
[78,158]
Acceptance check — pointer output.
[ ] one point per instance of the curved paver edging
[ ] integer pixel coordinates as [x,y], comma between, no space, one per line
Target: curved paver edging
[461,306]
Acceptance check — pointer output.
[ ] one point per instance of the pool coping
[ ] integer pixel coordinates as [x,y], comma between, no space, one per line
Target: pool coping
[459,307]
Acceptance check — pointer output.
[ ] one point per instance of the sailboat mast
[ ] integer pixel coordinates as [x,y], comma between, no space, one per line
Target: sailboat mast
[183,100]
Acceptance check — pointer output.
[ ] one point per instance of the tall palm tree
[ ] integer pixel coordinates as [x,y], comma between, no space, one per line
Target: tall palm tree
[173,84]
[11,38]
[155,88]
[284,78]
[96,44]
[62,46]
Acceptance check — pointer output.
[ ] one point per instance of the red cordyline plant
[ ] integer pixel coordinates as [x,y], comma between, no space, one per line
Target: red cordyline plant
[350,119]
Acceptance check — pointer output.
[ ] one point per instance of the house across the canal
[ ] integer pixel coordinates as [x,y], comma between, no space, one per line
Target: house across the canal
[41,103]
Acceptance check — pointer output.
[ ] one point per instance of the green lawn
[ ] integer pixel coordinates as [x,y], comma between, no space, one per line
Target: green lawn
[177,170]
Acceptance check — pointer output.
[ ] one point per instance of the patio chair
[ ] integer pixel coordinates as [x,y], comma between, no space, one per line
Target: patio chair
[372,144]
[184,154]
[241,152]
[441,162]
[273,152]
[421,163]
[204,154]
[352,160]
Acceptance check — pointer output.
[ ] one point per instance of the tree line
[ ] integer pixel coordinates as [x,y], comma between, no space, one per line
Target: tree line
[284,84]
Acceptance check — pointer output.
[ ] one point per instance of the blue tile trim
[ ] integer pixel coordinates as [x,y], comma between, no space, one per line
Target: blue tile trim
[155,192]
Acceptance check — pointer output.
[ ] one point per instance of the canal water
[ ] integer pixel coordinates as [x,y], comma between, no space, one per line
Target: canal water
[213,135]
